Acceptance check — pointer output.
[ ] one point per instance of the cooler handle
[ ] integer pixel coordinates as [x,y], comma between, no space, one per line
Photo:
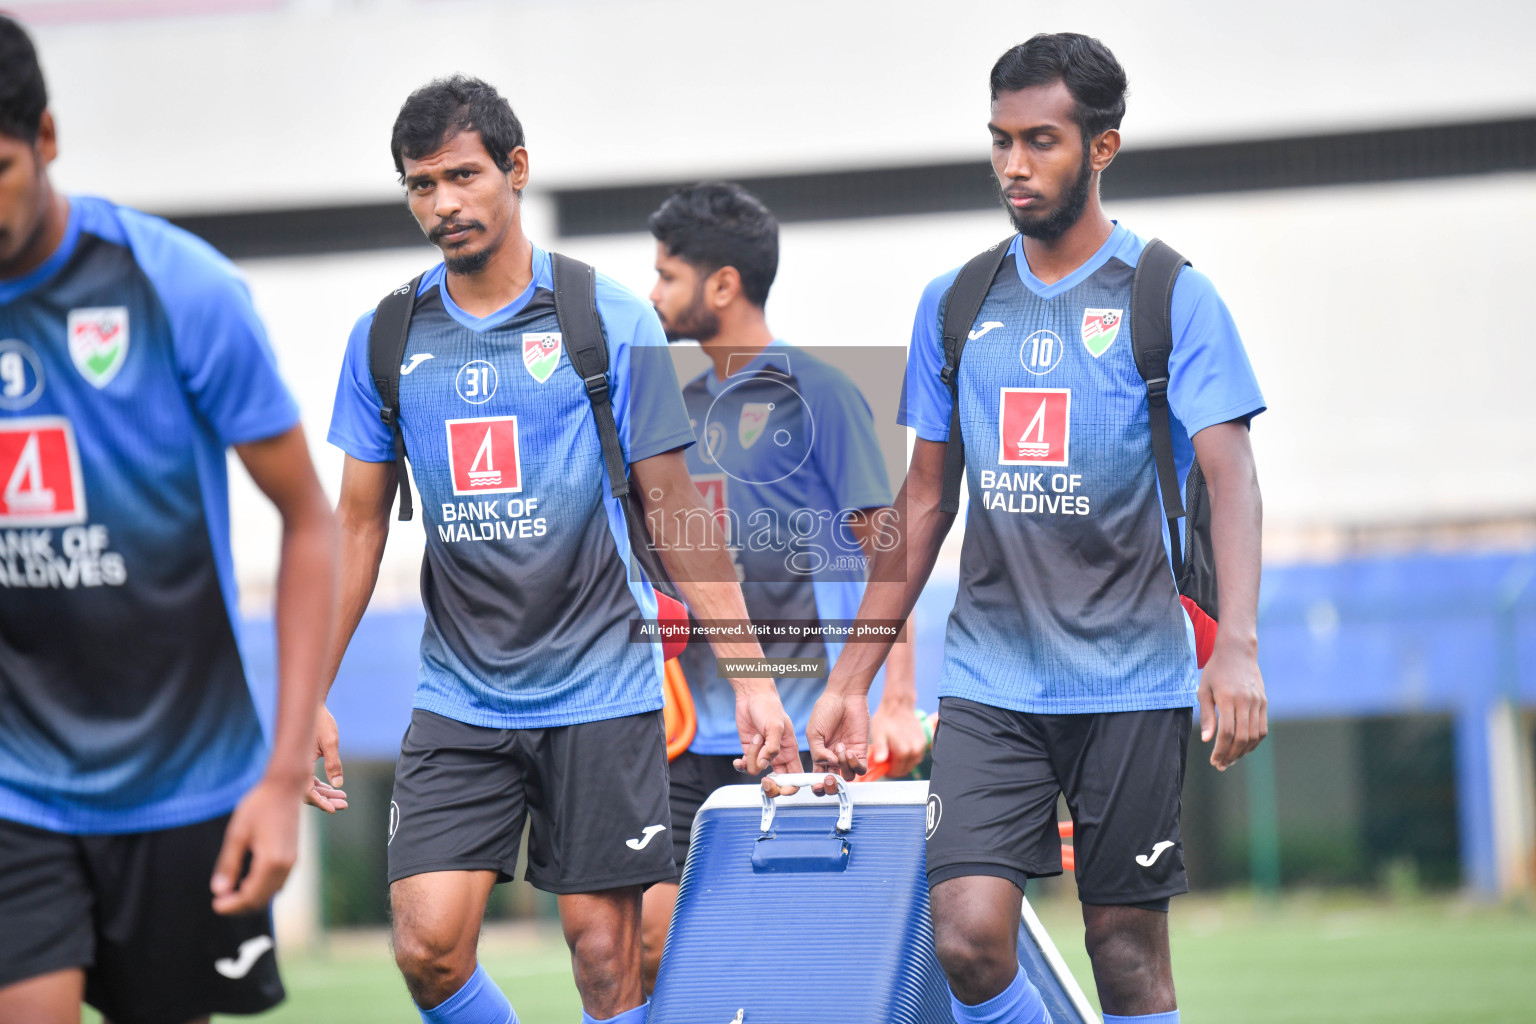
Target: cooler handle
[844,801]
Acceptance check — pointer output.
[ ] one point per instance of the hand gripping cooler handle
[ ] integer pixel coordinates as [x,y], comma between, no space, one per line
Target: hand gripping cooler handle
[844,801]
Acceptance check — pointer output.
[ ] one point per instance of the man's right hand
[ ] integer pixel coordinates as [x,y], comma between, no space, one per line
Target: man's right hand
[838,733]
[326,793]
[767,734]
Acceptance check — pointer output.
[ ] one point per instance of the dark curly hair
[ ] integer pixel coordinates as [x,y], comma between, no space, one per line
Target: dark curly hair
[23,94]
[1090,71]
[444,107]
[720,224]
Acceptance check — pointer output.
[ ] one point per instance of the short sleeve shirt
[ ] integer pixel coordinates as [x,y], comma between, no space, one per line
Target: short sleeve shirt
[787,447]
[1067,603]
[525,576]
[129,361]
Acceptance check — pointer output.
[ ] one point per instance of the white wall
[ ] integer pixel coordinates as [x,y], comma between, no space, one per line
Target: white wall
[1386,324]
[292,106]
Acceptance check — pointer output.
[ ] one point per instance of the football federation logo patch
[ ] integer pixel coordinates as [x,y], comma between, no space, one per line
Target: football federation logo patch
[483,455]
[1035,424]
[541,354]
[1100,327]
[98,342]
[754,420]
[40,471]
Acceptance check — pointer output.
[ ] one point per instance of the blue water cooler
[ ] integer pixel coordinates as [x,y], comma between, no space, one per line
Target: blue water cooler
[814,910]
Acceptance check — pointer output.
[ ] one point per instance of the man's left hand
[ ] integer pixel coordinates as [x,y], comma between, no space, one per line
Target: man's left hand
[1233,708]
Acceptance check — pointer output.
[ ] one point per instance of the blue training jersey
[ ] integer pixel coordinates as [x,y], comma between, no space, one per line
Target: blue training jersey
[129,361]
[524,578]
[787,448]
[1067,602]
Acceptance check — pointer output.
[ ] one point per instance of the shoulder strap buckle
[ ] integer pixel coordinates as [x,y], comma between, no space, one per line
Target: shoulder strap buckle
[597,387]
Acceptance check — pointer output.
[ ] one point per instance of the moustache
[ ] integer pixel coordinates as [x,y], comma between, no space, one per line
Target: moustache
[437,233]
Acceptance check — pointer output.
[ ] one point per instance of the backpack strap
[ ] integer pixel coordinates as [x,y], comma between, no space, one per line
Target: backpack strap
[386,352]
[1152,343]
[582,332]
[960,311]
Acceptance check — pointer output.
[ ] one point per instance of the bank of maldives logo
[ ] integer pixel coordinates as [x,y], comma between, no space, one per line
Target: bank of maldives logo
[40,481]
[1035,424]
[541,354]
[483,455]
[98,342]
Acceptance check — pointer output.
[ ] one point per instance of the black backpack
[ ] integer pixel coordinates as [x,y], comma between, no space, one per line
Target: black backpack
[581,329]
[1151,342]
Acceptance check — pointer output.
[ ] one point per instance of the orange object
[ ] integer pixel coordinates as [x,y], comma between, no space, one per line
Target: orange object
[677,710]
[877,771]
[1068,855]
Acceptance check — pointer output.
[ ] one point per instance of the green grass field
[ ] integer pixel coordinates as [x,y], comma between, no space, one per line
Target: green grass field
[1305,958]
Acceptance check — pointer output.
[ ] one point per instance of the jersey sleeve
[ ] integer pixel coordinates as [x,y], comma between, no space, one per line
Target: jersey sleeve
[1209,378]
[355,424]
[925,399]
[647,402]
[222,354]
[844,444]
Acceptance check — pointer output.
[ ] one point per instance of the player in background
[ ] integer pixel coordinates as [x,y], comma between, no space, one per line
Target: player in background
[779,431]
[136,774]
[1069,663]
[531,700]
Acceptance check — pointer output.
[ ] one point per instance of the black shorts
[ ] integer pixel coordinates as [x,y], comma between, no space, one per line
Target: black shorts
[134,911]
[694,777]
[595,794]
[996,777]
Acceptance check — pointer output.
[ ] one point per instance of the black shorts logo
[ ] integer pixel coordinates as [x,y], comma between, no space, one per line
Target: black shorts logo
[394,820]
[935,812]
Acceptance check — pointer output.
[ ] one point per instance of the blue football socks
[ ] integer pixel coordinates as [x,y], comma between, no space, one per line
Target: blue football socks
[1019,1003]
[478,1002]
[635,1016]
[1171,1017]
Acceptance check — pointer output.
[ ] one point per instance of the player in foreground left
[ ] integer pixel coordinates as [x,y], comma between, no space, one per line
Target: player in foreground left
[136,774]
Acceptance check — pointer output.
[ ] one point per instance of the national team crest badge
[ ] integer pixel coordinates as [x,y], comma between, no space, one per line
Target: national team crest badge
[754,420]
[541,354]
[1100,328]
[98,342]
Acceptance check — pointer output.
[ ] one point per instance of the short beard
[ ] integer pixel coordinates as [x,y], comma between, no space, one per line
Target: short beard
[696,322]
[1051,226]
[473,263]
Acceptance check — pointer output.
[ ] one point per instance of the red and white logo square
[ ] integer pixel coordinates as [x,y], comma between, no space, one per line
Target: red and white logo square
[483,456]
[712,489]
[40,482]
[1035,424]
